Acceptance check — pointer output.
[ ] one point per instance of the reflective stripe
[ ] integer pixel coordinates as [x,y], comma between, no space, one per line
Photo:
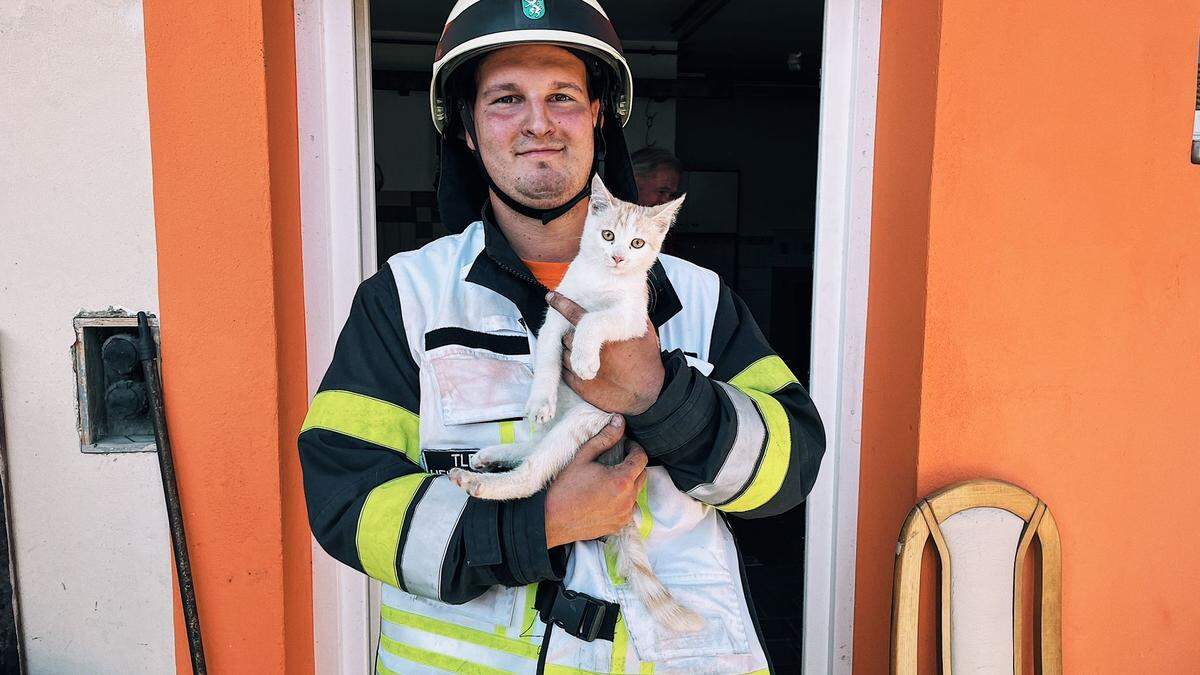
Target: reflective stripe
[644,529]
[778,454]
[555,669]
[643,502]
[508,433]
[647,668]
[457,632]
[743,455]
[769,374]
[380,523]
[758,381]
[433,659]
[433,523]
[367,419]
[620,645]
[610,562]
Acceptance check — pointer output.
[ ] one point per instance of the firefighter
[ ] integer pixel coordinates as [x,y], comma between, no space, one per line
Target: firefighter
[529,97]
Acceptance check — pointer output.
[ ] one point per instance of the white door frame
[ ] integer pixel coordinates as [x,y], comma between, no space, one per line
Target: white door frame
[845,168]
[336,258]
[333,76]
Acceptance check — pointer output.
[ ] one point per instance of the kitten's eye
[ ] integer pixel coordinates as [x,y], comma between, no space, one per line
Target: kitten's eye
[637,243]
[608,235]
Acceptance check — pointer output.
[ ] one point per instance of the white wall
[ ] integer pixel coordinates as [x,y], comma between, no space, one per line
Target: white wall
[76,232]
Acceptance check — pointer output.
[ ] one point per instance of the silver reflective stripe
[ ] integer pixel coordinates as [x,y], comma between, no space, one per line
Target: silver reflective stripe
[433,523]
[743,455]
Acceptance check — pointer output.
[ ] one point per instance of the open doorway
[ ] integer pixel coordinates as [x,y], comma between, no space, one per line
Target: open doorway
[732,90]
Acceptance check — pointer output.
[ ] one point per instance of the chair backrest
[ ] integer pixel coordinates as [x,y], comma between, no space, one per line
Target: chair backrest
[982,530]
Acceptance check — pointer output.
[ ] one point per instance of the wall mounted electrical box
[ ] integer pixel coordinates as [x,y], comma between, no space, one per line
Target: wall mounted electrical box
[114,408]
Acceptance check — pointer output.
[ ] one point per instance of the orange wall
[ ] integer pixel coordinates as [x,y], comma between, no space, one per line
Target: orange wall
[221,86]
[895,313]
[1061,303]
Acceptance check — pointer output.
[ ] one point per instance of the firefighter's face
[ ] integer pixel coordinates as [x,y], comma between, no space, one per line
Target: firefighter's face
[534,122]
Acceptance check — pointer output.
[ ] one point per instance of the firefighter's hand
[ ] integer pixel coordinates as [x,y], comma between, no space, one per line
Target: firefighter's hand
[631,371]
[588,500]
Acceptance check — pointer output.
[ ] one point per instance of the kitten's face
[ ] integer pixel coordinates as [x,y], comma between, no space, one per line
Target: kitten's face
[624,236]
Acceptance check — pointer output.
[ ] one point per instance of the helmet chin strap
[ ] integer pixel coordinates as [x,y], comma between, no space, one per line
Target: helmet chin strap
[544,215]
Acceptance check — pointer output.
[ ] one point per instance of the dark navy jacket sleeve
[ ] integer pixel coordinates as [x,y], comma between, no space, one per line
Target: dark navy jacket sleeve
[370,504]
[746,438]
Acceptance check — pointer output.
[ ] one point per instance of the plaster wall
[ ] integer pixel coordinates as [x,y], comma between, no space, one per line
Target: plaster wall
[77,232]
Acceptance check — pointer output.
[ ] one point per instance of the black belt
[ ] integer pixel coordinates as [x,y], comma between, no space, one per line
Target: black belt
[578,614]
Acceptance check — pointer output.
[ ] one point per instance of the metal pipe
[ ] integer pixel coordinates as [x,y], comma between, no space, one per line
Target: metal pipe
[147,354]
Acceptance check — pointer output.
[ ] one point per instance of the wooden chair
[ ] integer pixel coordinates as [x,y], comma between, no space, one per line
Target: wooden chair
[982,530]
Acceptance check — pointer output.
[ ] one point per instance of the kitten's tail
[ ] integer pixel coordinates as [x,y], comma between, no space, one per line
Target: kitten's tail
[634,565]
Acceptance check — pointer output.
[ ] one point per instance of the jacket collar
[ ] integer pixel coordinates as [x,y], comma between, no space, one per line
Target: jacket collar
[499,268]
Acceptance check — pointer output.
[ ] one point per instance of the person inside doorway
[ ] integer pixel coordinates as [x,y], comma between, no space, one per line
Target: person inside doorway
[658,173]
[433,362]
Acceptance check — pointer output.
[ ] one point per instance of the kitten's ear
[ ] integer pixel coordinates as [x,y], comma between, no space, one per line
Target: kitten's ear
[601,198]
[664,215]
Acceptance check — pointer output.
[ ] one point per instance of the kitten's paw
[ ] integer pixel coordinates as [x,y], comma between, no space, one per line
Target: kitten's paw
[469,481]
[541,409]
[585,363]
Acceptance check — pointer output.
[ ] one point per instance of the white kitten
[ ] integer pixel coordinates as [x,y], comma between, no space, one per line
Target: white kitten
[608,279]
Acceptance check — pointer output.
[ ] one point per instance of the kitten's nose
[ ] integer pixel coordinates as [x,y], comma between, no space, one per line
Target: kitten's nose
[618,258]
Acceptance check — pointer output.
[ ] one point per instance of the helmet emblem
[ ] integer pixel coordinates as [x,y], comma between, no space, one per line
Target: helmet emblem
[534,9]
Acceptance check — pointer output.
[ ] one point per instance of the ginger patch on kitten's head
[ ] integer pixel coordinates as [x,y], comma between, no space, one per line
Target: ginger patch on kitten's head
[623,235]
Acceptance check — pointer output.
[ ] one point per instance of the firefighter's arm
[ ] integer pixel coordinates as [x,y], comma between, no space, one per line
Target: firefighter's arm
[747,438]
[372,507]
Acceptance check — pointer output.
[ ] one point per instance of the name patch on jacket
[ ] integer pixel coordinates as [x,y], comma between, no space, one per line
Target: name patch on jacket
[441,460]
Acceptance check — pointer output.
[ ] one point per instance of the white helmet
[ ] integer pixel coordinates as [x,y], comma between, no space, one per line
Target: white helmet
[478,26]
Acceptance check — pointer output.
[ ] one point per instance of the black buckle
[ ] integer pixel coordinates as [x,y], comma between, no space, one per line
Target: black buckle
[579,614]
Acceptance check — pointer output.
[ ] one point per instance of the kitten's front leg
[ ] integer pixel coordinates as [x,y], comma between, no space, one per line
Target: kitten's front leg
[547,369]
[499,457]
[597,328]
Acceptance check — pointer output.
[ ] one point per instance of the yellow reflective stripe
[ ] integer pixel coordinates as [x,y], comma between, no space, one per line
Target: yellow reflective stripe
[620,645]
[428,658]
[644,529]
[643,502]
[769,374]
[379,526]
[758,381]
[508,432]
[646,668]
[457,632]
[776,456]
[610,562]
[555,669]
[367,419]
[381,669]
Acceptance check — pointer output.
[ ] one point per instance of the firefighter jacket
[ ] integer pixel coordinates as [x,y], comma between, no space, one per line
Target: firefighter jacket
[434,361]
